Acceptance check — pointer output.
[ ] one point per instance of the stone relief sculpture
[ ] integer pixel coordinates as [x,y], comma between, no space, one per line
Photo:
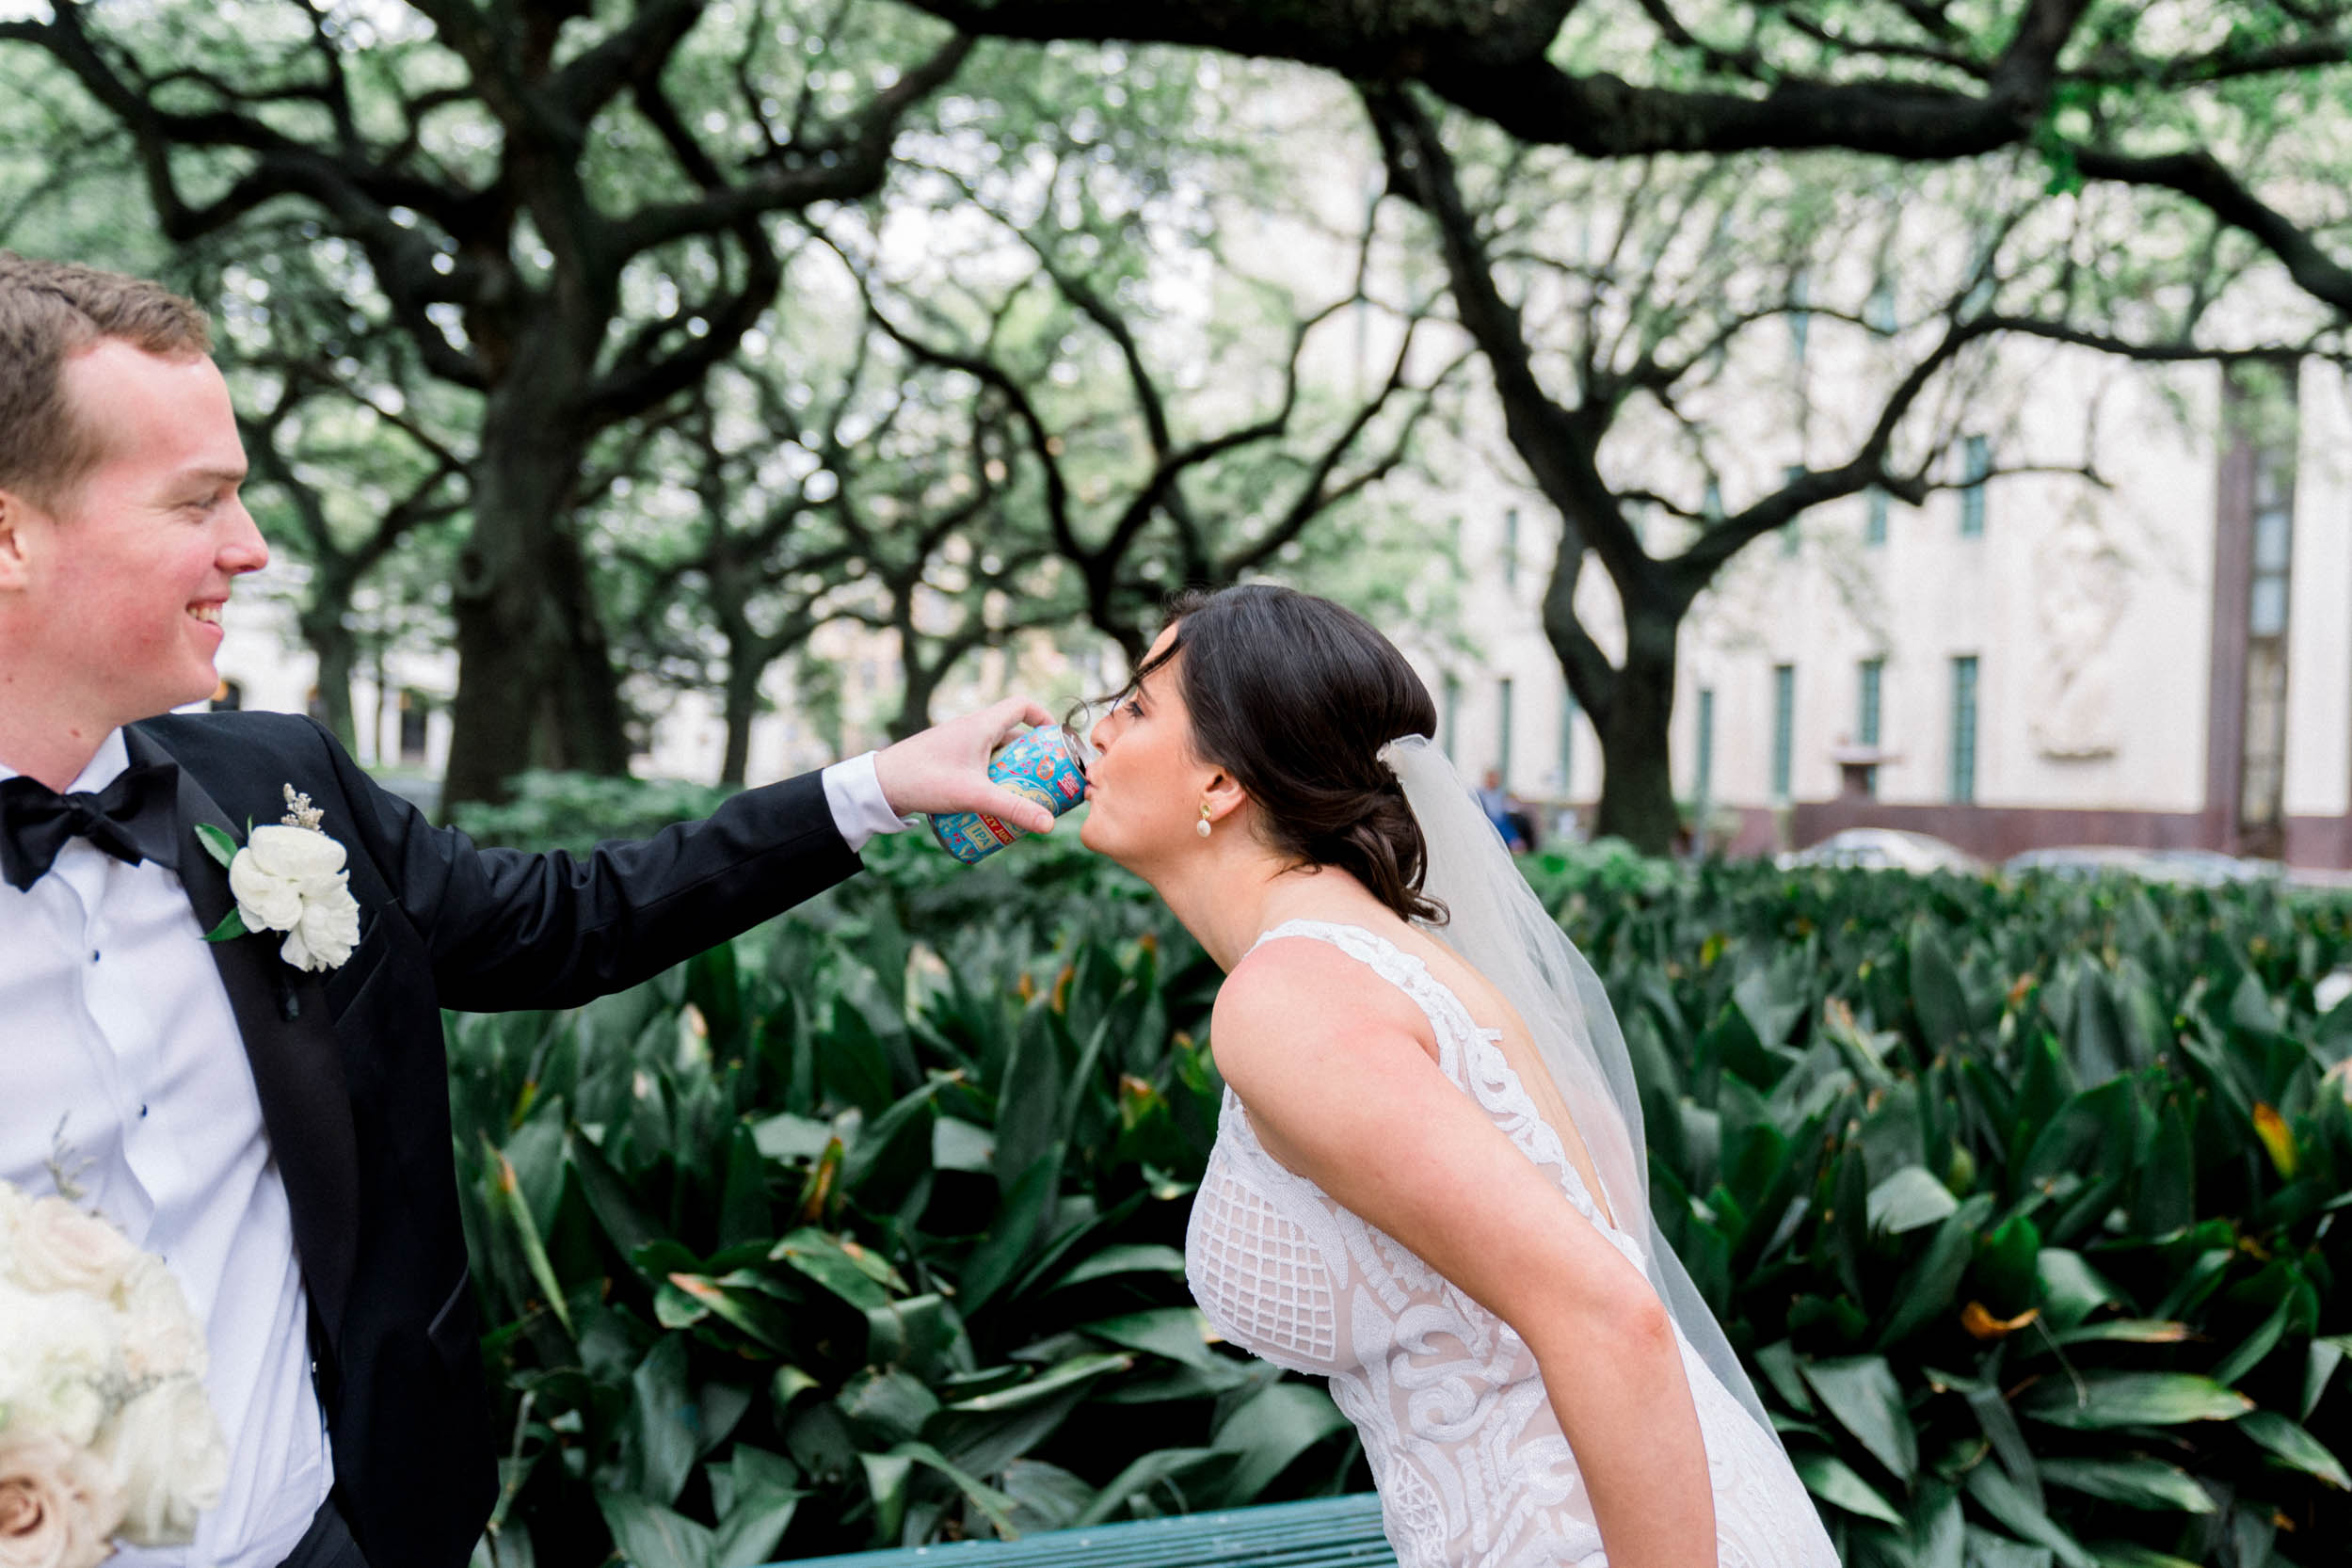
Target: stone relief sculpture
[2082,584]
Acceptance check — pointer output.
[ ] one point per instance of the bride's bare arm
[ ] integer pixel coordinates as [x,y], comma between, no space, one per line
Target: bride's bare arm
[1340,1086]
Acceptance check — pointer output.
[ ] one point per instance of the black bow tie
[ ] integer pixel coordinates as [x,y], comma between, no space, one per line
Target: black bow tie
[131,819]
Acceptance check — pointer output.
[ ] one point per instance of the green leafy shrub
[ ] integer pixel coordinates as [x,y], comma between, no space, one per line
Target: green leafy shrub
[577,812]
[868,1229]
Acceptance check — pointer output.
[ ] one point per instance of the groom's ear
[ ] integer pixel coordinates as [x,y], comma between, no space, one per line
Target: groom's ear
[15,512]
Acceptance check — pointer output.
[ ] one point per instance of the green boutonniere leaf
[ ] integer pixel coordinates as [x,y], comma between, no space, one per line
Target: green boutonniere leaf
[217,843]
[231,927]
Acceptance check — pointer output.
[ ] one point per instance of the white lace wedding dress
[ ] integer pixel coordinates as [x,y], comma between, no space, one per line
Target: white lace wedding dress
[1471,1466]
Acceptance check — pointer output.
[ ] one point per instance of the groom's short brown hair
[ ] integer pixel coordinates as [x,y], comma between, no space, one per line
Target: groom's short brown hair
[49,311]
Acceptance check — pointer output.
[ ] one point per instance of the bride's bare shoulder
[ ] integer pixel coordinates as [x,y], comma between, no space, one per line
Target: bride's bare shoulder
[1298,997]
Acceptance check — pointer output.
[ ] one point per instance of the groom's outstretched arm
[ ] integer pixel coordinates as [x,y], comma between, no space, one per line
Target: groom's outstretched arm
[507,929]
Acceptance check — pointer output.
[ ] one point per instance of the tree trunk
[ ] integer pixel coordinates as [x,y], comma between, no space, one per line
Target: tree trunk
[914,709]
[338,653]
[1636,783]
[535,684]
[743,705]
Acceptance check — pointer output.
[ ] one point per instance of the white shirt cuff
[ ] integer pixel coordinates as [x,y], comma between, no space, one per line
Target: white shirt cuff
[854,790]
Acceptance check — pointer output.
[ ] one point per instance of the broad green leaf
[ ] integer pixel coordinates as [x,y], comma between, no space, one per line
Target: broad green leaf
[958,1146]
[2007,1503]
[1143,1474]
[2131,1554]
[1179,1333]
[508,1189]
[2250,1350]
[2071,1289]
[2138,1331]
[232,926]
[1020,1218]
[650,1536]
[1935,991]
[994,1504]
[2137,1482]
[1833,1481]
[887,1475]
[1268,1430]
[1128,1259]
[886,1408]
[2295,1446]
[754,1494]
[827,1260]
[1077,1369]
[1909,1199]
[2320,1364]
[1862,1393]
[1924,1292]
[2089,1402]
[664,1422]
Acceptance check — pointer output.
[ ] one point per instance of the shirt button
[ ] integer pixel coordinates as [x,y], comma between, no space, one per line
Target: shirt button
[142,1113]
[93,955]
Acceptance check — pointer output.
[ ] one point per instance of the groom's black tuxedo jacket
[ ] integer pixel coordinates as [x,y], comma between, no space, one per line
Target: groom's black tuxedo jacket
[354,1086]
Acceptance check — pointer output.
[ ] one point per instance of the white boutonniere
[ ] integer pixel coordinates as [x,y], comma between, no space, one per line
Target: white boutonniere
[289,876]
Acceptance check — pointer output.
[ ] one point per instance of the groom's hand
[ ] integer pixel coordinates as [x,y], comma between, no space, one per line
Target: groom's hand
[945,768]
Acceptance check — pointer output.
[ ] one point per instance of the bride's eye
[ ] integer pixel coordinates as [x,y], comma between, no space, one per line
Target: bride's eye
[1133,708]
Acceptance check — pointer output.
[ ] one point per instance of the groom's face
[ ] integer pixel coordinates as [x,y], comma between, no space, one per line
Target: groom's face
[114,589]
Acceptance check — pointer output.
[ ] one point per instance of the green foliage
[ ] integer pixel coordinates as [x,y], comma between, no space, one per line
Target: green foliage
[867,1230]
[576,811]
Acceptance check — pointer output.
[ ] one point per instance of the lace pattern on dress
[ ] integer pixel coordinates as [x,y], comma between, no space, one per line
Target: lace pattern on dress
[1463,1445]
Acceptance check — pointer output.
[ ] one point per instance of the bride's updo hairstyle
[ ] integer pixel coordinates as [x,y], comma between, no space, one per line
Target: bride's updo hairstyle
[1294,696]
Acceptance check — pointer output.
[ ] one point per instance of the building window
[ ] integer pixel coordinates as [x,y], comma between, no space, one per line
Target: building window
[1784,727]
[1800,318]
[1866,721]
[1975,467]
[1567,739]
[2260,400]
[1789,537]
[1711,506]
[1450,695]
[1502,745]
[1705,784]
[1964,728]
[1874,516]
[1511,547]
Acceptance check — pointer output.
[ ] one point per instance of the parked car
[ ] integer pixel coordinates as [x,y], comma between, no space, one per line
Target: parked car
[1885,849]
[2202,867]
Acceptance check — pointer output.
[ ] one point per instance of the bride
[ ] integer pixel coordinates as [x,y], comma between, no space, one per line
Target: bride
[1429,1183]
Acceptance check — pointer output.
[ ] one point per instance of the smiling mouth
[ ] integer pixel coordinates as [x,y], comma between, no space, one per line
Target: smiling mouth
[208,614]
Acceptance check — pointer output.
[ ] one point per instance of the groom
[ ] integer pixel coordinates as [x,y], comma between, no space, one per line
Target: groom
[279,1134]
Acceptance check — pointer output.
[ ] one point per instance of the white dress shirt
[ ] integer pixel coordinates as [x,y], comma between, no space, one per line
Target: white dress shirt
[117,1044]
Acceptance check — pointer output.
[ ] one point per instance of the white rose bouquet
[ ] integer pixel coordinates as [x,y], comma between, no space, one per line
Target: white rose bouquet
[104,1427]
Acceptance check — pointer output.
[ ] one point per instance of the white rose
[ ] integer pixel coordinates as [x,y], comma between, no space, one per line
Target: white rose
[59,1247]
[57,1504]
[292,879]
[168,1455]
[328,929]
[160,1337]
[60,1352]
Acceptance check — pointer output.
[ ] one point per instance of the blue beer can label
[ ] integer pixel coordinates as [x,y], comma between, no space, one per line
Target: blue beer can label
[1047,764]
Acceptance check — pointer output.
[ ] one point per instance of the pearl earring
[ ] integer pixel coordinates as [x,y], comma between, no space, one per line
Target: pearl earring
[1201,827]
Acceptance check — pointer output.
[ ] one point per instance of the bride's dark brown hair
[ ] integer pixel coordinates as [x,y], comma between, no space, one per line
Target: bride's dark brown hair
[1294,696]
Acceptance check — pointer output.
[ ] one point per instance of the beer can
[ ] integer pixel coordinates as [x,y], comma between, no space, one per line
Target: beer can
[1047,764]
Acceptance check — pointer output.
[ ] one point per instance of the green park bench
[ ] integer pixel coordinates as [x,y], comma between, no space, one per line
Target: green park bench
[1320,1533]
